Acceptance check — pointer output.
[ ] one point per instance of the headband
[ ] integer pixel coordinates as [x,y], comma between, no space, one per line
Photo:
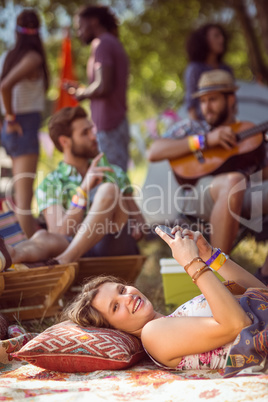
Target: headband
[27,31]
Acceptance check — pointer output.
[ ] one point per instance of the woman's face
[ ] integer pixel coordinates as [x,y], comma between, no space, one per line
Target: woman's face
[124,307]
[216,41]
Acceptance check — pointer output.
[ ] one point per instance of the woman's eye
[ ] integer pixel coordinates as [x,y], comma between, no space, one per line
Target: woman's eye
[122,289]
[115,307]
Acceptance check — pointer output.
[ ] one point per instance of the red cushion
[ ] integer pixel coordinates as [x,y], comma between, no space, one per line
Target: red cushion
[67,347]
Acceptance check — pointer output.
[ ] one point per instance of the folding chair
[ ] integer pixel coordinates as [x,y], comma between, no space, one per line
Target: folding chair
[31,293]
[35,292]
[126,267]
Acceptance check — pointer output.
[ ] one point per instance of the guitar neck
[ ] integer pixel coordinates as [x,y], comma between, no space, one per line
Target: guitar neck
[260,128]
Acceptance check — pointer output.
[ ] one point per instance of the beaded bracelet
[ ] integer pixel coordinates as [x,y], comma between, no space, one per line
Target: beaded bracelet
[199,272]
[81,191]
[213,257]
[191,262]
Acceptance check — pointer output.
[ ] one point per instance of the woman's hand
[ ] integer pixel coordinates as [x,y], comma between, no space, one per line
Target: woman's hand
[205,249]
[15,127]
[184,248]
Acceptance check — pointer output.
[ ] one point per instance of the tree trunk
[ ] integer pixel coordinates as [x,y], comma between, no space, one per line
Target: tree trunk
[258,67]
[262,11]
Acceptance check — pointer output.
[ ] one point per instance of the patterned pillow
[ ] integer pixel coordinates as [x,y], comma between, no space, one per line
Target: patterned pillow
[70,348]
[10,228]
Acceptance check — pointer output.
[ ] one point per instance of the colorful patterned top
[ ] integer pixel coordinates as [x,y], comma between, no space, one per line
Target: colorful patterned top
[60,185]
[187,127]
[214,359]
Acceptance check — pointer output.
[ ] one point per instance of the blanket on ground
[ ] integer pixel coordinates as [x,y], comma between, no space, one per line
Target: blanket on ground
[143,382]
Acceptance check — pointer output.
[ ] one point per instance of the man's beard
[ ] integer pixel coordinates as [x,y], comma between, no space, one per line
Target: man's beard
[221,118]
[83,152]
[89,39]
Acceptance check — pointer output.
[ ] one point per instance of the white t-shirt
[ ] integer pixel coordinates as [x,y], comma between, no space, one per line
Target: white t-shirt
[28,95]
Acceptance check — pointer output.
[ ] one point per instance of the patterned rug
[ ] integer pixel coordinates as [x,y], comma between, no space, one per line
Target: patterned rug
[143,382]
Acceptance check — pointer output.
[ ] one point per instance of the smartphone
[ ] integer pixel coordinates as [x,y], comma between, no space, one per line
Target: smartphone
[167,230]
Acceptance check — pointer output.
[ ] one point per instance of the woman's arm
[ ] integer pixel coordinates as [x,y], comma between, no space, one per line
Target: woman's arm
[169,339]
[229,270]
[28,64]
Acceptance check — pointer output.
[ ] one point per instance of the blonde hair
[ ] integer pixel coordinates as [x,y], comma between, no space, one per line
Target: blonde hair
[81,311]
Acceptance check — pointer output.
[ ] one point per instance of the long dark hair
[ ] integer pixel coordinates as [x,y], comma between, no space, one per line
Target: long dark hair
[197,46]
[25,43]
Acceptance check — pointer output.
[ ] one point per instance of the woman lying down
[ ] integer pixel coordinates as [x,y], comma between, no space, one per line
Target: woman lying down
[229,332]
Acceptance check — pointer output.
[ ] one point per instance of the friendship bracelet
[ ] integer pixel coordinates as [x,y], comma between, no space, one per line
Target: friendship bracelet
[219,261]
[202,141]
[77,206]
[191,262]
[213,257]
[204,269]
[81,191]
[79,201]
[194,144]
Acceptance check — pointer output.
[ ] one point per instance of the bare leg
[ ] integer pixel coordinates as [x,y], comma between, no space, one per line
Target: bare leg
[224,225]
[41,246]
[105,216]
[24,170]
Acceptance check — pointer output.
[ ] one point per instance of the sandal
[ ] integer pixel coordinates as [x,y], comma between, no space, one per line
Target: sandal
[5,259]
[261,277]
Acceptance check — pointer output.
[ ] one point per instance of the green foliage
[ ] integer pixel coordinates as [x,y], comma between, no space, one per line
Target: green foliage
[153,33]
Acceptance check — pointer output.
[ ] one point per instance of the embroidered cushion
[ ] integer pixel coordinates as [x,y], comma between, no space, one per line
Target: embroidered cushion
[67,347]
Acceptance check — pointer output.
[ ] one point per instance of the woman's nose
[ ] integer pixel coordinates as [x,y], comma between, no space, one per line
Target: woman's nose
[128,298]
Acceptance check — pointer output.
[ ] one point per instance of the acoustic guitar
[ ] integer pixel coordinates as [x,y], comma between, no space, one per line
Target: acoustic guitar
[249,151]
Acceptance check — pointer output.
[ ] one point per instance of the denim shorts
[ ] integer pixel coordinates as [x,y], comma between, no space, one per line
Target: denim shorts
[114,143]
[16,145]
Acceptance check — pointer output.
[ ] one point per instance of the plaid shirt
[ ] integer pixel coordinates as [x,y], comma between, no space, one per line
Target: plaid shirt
[60,185]
[187,127]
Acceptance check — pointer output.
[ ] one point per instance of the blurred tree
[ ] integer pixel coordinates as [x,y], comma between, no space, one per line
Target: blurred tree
[154,33]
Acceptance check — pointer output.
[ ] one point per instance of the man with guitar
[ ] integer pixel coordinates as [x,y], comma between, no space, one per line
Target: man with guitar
[213,160]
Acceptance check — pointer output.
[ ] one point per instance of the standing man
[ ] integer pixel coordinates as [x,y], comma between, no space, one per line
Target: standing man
[107,72]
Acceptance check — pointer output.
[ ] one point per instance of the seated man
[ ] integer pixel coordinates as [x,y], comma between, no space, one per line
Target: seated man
[87,203]
[86,206]
[219,198]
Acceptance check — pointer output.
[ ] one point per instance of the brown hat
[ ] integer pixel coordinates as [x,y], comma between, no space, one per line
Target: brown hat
[215,81]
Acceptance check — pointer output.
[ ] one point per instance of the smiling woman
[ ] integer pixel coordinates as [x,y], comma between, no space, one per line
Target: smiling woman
[200,334]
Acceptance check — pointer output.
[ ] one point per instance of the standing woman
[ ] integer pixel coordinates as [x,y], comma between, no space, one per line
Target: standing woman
[24,81]
[206,47]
